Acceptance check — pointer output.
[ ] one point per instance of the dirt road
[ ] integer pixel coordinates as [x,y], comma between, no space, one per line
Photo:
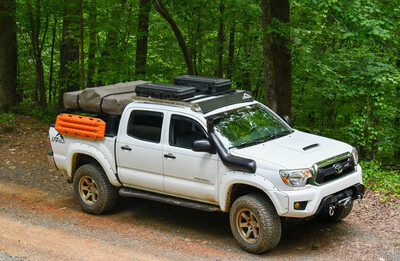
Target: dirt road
[40,220]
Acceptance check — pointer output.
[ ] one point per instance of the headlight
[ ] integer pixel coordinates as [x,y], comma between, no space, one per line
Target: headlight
[295,177]
[355,156]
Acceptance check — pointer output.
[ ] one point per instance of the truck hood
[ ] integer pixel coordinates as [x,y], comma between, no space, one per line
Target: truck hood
[294,151]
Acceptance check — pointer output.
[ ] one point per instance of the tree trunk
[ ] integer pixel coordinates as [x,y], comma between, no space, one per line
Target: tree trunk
[142,37]
[282,57]
[69,51]
[8,55]
[159,6]
[397,120]
[92,44]
[109,52]
[276,56]
[268,57]
[221,39]
[53,40]
[81,34]
[231,50]
[245,82]
[37,53]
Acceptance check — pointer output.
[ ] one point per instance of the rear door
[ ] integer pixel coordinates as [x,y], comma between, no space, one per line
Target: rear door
[139,150]
[188,173]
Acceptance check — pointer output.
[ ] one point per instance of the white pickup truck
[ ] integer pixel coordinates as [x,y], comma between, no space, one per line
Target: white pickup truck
[213,152]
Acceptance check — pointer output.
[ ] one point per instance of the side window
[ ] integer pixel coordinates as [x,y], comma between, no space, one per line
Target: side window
[145,125]
[183,131]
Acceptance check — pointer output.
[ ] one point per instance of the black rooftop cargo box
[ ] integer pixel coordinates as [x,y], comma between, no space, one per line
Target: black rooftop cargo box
[165,91]
[204,84]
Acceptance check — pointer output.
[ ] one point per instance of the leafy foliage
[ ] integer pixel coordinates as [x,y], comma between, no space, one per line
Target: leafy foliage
[382,179]
[346,72]
[345,58]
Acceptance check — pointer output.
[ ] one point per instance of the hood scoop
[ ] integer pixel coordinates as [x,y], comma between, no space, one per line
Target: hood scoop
[311,147]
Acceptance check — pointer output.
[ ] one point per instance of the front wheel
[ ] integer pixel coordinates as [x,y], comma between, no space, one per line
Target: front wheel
[255,224]
[94,193]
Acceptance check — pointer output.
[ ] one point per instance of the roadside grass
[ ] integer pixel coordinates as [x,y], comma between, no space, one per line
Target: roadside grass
[383,179]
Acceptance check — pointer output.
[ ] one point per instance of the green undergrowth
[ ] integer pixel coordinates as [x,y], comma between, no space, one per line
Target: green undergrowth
[380,178]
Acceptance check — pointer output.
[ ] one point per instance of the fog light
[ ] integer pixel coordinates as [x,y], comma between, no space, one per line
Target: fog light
[300,205]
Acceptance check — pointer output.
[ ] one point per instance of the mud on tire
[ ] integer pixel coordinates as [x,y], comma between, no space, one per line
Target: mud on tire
[255,224]
[92,190]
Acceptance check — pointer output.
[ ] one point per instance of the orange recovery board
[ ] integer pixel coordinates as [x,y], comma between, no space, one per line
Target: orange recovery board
[80,126]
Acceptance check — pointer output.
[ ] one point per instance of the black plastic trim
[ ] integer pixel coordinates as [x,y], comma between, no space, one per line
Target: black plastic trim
[135,193]
[232,161]
[356,192]
[311,147]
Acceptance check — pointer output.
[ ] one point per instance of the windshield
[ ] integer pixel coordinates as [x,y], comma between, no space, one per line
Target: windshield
[248,126]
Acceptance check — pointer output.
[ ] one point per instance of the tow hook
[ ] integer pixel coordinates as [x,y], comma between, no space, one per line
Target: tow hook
[359,197]
[345,202]
[331,210]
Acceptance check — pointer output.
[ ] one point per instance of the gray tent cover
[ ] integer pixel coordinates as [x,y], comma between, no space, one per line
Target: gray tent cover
[110,99]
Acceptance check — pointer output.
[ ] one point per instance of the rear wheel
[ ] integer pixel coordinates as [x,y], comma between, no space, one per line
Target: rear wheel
[94,193]
[255,224]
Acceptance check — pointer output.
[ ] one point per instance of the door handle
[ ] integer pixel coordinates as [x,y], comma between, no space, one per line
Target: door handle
[169,156]
[126,147]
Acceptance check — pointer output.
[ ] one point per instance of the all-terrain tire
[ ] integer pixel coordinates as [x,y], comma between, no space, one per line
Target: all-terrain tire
[339,214]
[94,193]
[255,224]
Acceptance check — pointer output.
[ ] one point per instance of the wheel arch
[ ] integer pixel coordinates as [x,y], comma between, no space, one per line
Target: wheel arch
[238,186]
[82,154]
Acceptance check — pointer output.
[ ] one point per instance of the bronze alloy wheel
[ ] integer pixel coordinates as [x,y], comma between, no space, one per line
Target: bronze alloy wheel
[255,224]
[92,189]
[88,190]
[248,225]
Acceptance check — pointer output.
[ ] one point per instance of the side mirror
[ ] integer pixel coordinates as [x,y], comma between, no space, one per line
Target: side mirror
[286,119]
[202,145]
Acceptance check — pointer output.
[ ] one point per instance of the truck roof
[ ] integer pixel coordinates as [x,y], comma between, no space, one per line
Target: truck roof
[203,103]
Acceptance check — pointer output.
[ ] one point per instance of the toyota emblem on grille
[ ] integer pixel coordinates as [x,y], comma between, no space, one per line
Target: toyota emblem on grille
[338,168]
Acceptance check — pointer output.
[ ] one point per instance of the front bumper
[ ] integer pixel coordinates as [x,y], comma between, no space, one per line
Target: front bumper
[316,199]
[340,199]
[50,158]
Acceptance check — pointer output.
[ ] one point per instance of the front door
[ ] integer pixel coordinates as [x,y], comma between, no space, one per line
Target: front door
[189,173]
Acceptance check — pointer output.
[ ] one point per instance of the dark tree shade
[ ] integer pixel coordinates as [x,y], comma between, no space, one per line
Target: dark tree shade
[92,44]
[277,67]
[159,6]
[69,51]
[283,69]
[142,38]
[221,39]
[8,54]
[35,23]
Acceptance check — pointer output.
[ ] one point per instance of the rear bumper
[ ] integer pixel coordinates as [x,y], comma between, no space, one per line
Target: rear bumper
[50,158]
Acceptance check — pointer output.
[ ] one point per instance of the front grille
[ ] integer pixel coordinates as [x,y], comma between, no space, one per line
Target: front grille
[334,168]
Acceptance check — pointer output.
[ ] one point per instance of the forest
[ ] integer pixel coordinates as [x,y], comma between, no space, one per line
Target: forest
[332,65]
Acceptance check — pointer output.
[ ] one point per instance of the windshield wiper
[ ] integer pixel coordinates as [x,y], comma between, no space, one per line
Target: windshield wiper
[270,137]
[247,143]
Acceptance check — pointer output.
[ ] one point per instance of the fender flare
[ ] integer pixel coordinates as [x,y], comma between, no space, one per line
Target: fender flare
[231,178]
[86,149]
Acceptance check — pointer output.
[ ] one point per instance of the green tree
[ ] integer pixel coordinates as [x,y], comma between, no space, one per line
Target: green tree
[8,55]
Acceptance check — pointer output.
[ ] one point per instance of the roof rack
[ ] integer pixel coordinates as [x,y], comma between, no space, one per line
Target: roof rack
[201,103]
[192,106]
